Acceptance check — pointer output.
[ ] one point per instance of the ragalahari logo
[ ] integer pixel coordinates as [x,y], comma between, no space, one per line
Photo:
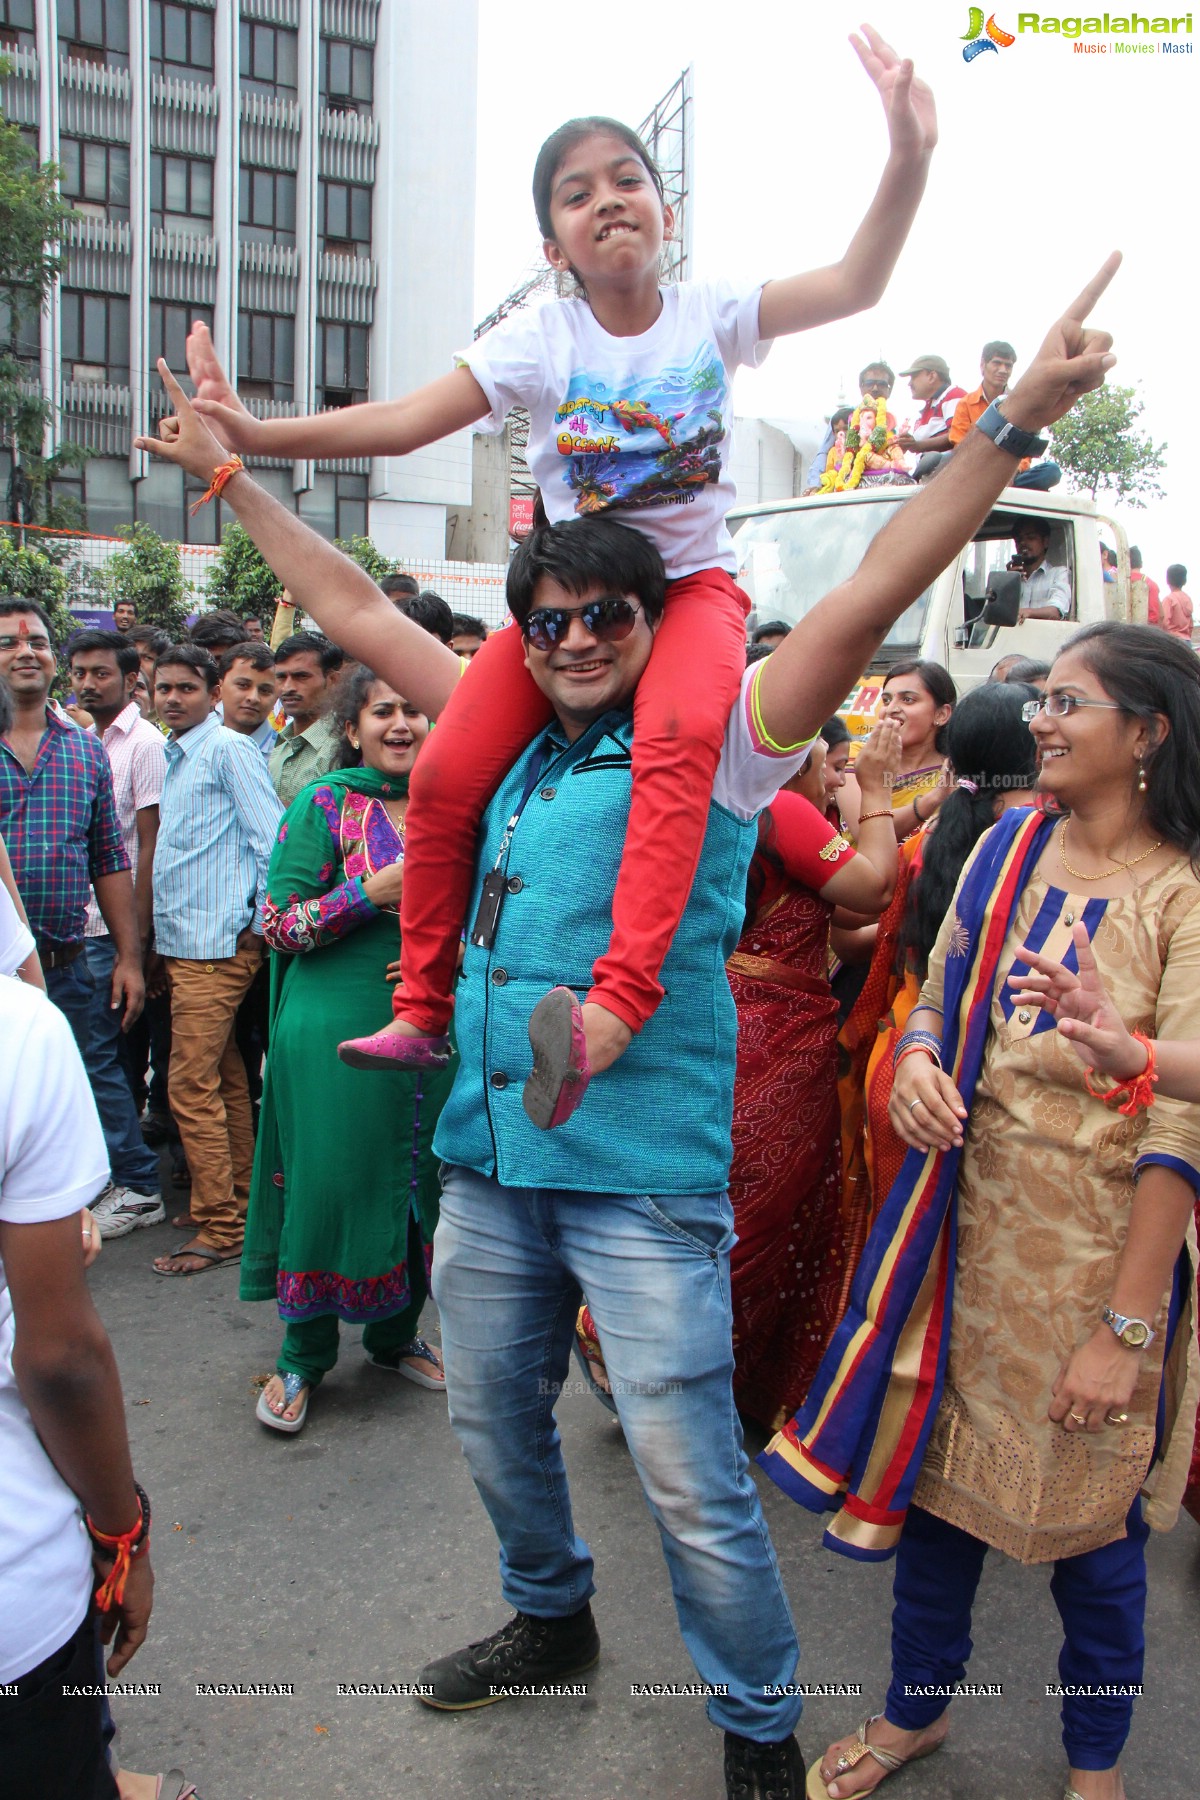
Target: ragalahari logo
[979,37]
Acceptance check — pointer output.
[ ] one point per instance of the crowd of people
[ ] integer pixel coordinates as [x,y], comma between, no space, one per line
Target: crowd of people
[770,1088]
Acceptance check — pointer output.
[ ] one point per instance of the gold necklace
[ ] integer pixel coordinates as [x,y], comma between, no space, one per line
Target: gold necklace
[1116,869]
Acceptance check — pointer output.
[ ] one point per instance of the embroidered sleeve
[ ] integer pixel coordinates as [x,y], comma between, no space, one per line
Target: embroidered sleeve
[307,907]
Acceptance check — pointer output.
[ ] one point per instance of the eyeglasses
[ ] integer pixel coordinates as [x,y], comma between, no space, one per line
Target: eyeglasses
[608,620]
[35,641]
[1057,706]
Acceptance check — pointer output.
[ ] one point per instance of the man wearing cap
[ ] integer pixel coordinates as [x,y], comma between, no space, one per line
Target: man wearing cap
[929,382]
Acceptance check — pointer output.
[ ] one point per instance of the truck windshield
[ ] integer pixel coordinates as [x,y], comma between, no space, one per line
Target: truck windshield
[787,561]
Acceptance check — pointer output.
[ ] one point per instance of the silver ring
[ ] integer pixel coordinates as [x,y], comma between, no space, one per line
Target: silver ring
[1079,1418]
[1116,1418]
[915,1103]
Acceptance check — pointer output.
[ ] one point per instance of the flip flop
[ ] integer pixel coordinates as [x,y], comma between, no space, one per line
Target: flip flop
[560,1065]
[388,1050]
[174,1785]
[292,1383]
[420,1349]
[214,1259]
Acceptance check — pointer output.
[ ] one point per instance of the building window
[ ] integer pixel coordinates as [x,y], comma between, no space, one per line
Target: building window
[335,505]
[347,76]
[95,176]
[267,206]
[266,356]
[345,216]
[95,31]
[181,41]
[18,28]
[269,56]
[181,193]
[95,337]
[341,364]
[169,326]
[21,336]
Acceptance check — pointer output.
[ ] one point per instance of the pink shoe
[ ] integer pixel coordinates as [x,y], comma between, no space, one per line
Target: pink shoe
[389,1050]
[560,1064]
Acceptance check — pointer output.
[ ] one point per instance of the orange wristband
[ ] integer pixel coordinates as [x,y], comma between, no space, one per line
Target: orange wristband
[221,475]
[1139,1088]
[883,812]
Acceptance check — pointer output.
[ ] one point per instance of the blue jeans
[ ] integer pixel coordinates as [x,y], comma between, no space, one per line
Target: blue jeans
[1101,1599]
[1040,475]
[508,1269]
[70,988]
[132,1164]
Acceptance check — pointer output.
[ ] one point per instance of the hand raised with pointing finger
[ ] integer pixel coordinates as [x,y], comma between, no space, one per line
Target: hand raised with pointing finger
[1073,359]
[184,437]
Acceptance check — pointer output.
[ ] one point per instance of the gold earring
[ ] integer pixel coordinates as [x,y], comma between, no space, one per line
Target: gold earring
[354,744]
[1141,779]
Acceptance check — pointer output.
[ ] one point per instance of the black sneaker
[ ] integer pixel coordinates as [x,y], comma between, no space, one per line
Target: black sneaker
[755,1771]
[527,1654]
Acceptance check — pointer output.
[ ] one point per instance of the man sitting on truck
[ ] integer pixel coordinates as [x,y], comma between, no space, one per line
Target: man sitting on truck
[929,382]
[1045,586]
[996,365]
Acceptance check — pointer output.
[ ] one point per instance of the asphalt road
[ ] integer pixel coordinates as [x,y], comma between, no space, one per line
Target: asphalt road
[358,1550]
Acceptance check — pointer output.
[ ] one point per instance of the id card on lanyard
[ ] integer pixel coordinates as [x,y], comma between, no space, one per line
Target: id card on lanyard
[495,882]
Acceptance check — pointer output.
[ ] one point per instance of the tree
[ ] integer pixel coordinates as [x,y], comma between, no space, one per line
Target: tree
[33,219]
[241,580]
[1101,452]
[37,575]
[149,574]
[362,551]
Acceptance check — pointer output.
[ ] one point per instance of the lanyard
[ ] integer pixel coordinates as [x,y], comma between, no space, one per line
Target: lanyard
[537,768]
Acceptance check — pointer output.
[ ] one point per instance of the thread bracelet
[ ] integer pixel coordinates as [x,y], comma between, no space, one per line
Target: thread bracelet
[882,812]
[122,1547]
[221,474]
[1138,1088]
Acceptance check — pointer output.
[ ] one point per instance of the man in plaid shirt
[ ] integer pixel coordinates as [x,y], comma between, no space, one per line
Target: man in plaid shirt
[59,821]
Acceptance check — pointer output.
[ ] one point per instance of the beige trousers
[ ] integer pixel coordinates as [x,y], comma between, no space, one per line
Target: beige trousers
[209,1096]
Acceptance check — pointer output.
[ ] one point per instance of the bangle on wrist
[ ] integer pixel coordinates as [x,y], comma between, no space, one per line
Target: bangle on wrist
[916,810]
[928,1041]
[881,812]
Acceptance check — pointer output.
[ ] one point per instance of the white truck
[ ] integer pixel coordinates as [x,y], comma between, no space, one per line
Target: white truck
[791,552]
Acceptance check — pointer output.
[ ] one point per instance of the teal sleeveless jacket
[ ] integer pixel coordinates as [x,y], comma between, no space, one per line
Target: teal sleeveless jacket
[658,1121]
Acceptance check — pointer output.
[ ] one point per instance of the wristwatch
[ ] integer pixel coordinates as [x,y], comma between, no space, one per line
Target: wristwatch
[1007,436]
[1135,1334]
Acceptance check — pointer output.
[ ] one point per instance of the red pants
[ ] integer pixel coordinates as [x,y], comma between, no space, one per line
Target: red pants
[680,714]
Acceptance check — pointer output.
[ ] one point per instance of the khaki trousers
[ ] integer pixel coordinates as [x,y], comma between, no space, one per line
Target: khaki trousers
[209,1097]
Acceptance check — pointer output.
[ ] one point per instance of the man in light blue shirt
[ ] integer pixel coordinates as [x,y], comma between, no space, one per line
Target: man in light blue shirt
[219,817]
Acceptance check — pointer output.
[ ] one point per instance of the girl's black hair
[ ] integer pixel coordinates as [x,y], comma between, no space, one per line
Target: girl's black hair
[835,731]
[1148,671]
[989,744]
[559,145]
[353,693]
[938,684]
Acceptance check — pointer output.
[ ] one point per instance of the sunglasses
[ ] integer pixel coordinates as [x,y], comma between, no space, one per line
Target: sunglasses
[608,620]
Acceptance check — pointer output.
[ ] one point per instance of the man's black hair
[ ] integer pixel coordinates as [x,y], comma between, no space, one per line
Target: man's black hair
[114,643]
[152,637]
[400,586]
[881,366]
[758,653]
[191,656]
[259,656]
[1176,575]
[431,613]
[125,601]
[1135,557]
[772,628]
[997,347]
[580,554]
[466,626]
[14,603]
[302,643]
[218,629]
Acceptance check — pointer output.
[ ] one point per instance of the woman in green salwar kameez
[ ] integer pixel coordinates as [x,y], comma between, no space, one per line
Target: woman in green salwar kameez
[344,1199]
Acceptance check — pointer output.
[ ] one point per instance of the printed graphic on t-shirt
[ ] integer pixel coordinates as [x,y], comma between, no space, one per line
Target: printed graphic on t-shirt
[650,441]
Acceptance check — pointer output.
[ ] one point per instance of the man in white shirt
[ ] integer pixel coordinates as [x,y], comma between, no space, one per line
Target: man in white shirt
[1045,586]
[63,1445]
[929,382]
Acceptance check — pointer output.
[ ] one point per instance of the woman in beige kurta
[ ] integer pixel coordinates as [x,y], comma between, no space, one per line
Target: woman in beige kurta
[1046,1428]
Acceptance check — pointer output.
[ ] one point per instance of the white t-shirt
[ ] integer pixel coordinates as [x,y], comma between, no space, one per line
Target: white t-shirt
[53,1161]
[638,426]
[16,939]
[752,768]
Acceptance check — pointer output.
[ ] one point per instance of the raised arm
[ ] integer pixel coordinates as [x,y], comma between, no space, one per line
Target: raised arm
[339,595]
[859,279]
[822,657]
[375,428]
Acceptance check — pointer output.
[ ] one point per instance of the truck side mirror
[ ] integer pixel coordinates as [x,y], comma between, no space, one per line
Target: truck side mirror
[1003,603]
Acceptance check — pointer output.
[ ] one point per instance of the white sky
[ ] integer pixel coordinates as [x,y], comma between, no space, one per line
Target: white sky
[1047,160]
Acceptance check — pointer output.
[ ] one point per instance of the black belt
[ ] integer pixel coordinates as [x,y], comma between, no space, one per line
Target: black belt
[57,956]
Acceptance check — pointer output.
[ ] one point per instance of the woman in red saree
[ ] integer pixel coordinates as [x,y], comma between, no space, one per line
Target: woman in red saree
[785,1183]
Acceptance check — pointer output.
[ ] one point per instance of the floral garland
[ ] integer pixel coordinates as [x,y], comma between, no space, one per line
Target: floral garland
[846,462]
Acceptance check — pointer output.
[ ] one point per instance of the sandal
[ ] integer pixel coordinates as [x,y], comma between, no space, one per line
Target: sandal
[389,1050]
[560,1063]
[212,1259]
[855,1753]
[181,1790]
[292,1383]
[422,1352]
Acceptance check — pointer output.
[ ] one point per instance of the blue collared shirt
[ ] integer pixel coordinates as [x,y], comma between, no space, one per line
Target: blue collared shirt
[218,820]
